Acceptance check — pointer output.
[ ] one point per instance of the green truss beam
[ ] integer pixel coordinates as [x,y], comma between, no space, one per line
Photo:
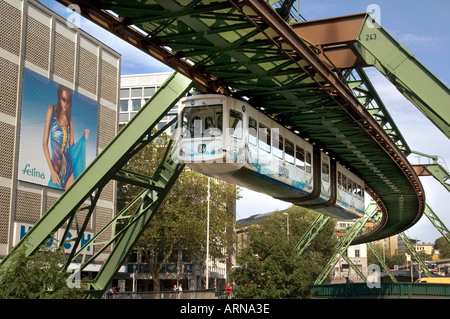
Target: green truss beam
[313,231]
[106,167]
[437,223]
[363,89]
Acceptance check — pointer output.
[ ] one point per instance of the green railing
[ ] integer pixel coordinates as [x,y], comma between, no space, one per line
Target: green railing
[386,290]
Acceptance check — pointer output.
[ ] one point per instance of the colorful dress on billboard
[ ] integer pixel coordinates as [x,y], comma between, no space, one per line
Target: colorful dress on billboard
[66,159]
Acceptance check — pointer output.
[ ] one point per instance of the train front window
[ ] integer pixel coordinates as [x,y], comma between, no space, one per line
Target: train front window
[204,121]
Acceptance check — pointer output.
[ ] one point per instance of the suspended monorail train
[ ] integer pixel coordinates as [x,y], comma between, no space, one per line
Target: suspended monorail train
[228,139]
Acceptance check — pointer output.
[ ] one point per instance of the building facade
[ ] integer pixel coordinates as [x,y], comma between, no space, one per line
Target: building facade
[41,54]
[136,90]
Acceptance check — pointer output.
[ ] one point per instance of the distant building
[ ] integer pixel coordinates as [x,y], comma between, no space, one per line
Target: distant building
[136,90]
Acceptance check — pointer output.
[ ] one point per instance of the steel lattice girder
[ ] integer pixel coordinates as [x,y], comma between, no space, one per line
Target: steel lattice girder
[252,49]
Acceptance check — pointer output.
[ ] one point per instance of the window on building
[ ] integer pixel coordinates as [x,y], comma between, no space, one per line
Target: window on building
[136,105]
[149,91]
[124,93]
[136,92]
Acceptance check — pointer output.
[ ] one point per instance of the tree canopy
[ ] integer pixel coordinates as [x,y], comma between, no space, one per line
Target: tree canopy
[443,246]
[271,268]
[180,222]
[38,276]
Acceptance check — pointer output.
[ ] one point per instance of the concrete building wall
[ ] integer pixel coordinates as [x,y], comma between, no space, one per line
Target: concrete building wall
[35,38]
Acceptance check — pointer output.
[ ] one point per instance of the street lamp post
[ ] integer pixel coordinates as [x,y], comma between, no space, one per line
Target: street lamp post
[287,223]
[207,239]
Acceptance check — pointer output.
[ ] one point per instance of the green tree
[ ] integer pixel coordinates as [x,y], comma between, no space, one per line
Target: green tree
[38,276]
[270,267]
[443,246]
[180,223]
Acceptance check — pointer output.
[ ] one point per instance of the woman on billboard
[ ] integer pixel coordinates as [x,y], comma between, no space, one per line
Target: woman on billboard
[63,157]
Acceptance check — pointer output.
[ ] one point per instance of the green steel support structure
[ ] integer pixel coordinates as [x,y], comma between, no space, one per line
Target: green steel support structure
[415,254]
[381,261]
[363,89]
[437,223]
[313,231]
[106,167]
[247,50]
[346,241]
[429,94]
[358,41]
[433,169]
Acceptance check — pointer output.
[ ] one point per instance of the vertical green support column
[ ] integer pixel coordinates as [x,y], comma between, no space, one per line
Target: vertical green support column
[105,168]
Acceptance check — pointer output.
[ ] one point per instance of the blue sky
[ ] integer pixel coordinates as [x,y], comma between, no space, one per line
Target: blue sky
[421,26]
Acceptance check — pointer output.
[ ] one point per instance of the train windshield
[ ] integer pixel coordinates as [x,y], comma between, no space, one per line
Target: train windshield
[203,121]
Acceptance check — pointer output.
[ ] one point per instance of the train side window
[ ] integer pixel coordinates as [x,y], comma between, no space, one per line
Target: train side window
[344,183]
[289,151]
[236,124]
[359,191]
[264,138]
[299,157]
[354,189]
[339,180]
[349,185]
[325,172]
[220,122]
[252,130]
[308,162]
[277,144]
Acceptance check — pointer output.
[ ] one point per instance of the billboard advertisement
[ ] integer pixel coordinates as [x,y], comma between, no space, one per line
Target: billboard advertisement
[58,132]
